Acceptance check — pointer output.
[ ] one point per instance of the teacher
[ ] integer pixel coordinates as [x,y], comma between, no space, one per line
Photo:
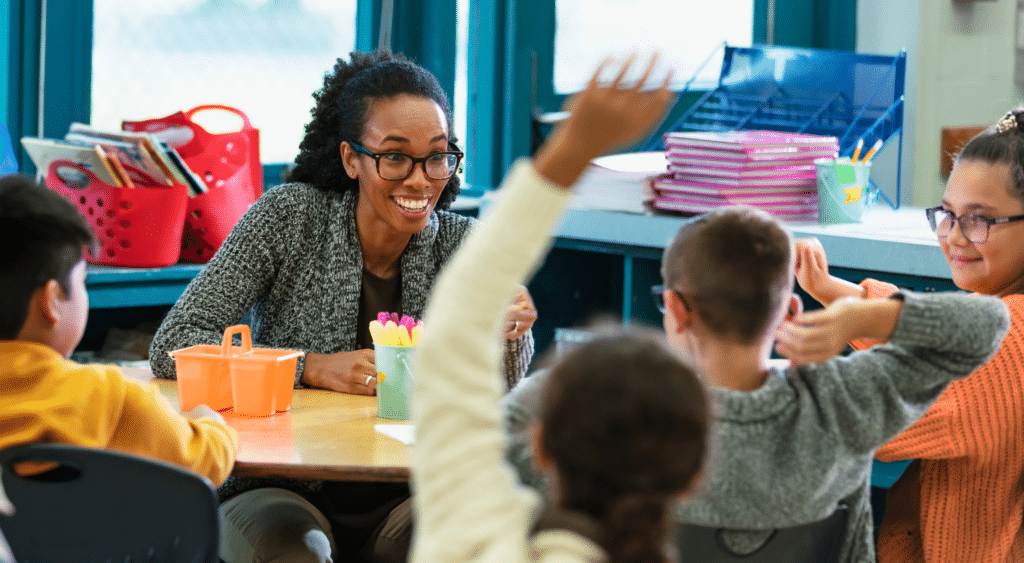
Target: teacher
[361,227]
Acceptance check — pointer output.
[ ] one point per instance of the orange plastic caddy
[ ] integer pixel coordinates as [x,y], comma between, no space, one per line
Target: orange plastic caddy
[251,381]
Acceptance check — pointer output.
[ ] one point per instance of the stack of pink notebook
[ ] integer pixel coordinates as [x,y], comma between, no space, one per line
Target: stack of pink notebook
[767,169]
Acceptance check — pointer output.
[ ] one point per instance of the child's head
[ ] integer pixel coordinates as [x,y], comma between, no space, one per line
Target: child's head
[734,268]
[624,422]
[987,182]
[41,269]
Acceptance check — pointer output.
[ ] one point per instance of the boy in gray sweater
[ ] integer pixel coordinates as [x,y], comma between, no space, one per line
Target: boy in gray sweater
[793,443]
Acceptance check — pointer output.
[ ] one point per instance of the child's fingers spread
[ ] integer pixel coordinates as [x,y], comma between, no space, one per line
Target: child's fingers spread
[595,80]
[624,70]
[647,71]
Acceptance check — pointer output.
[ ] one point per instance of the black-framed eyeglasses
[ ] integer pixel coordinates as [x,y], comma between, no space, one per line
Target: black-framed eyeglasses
[658,294]
[973,227]
[395,166]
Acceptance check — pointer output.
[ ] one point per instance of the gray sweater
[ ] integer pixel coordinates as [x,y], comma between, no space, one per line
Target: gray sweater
[295,259]
[790,451]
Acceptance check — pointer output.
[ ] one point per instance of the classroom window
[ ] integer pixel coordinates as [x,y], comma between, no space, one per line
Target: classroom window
[152,58]
[685,33]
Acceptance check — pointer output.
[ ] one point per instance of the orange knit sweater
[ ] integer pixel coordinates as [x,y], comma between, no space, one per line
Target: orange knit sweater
[962,499]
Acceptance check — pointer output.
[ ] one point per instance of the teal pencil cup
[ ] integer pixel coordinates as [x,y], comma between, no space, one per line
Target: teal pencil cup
[844,190]
[394,380]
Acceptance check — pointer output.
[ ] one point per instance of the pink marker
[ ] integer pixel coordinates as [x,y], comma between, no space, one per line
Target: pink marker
[382,318]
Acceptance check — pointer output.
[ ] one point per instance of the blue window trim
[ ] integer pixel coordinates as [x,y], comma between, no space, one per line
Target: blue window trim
[507,36]
[423,30]
[507,33]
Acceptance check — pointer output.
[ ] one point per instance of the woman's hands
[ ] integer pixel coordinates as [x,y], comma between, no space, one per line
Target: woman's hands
[521,314]
[602,117]
[349,372]
[811,267]
[816,336]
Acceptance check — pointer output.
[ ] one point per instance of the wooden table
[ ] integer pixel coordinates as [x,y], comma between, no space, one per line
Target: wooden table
[325,435]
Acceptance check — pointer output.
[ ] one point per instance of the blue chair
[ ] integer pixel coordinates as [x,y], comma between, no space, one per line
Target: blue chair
[100,505]
[817,542]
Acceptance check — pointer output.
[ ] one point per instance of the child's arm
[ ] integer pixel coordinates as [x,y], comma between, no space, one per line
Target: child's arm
[816,336]
[149,426]
[468,507]
[811,267]
[869,396]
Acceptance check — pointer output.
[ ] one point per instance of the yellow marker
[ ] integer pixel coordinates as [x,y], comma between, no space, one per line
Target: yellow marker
[871,153]
[853,194]
[403,336]
[417,333]
[856,151]
[391,329]
[377,332]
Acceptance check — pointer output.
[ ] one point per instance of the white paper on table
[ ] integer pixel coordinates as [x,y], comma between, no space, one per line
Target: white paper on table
[404,433]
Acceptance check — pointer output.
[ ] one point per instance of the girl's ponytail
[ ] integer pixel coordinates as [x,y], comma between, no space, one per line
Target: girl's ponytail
[636,527]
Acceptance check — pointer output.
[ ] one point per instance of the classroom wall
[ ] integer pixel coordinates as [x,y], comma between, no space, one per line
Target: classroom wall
[960,73]
[884,27]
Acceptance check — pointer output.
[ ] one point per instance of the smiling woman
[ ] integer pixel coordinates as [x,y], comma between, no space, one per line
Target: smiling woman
[361,227]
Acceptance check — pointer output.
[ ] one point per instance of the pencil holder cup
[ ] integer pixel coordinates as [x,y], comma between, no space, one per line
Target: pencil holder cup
[844,190]
[394,380]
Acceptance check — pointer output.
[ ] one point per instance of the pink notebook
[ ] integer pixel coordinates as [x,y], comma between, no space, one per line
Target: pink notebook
[749,141]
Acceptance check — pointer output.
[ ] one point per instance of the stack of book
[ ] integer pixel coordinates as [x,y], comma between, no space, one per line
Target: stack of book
[117,158]
[767,169]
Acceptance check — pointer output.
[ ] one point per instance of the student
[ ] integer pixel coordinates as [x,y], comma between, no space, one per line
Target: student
[623,430]
[43,307]
[793,443]
[961,499]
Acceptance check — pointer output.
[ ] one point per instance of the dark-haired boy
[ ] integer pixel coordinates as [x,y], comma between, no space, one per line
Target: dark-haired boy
[792,444]
[44,397]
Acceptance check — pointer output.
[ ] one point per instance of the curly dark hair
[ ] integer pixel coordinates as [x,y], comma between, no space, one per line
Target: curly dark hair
[341,112]
[626,422]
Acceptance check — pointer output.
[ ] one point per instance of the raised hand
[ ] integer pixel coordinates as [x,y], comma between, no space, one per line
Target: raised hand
[602,117]
[811,269]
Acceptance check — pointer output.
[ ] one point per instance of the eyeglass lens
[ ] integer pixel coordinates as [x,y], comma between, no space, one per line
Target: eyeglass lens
[973,227]
[395,166]
[658,294]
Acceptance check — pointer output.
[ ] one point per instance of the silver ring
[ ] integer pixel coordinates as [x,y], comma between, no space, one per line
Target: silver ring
[515,326]
[368,378]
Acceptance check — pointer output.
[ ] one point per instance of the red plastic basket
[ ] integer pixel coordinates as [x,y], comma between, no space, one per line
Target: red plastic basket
[138,227]
[230,166]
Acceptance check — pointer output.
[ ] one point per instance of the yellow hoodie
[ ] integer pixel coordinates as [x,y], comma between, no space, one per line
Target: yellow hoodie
[47,398]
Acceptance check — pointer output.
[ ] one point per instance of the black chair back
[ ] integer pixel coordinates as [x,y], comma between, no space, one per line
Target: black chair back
[100,505]
[817,542]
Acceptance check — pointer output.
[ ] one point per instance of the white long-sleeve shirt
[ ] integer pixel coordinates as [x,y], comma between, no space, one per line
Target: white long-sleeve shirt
[469,504]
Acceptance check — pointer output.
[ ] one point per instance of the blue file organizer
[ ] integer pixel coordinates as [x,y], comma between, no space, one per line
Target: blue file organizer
[842,94]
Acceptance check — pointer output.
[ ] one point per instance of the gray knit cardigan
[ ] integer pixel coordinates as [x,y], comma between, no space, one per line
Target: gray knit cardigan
[295,260]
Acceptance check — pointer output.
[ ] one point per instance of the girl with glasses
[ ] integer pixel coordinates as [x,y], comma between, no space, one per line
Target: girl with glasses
[961,499]
[362,226]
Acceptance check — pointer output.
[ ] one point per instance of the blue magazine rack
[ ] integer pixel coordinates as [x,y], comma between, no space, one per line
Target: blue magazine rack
[841,94]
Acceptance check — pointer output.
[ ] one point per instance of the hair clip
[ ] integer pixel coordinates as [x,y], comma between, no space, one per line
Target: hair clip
[1007,123]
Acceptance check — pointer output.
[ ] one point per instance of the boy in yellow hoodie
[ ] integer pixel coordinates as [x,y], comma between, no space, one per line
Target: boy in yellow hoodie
[44,397]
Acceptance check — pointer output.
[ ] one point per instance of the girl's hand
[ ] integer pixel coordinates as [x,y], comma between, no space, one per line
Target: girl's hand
[602,117]
[521,314]
[348,372]
[817,336]
[811,266]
